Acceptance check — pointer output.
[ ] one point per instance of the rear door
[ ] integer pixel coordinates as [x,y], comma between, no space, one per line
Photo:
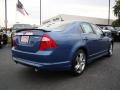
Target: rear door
[28,40]
[91,39]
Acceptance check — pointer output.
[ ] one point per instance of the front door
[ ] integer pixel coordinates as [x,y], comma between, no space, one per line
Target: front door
[91,39]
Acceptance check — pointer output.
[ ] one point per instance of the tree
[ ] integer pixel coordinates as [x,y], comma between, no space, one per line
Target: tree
[116,23]
[117,9]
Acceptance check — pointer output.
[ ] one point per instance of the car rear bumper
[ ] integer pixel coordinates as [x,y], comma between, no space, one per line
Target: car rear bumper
[46,66]
[42,60]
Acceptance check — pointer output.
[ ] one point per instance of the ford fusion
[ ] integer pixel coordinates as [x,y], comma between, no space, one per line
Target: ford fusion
[61,46]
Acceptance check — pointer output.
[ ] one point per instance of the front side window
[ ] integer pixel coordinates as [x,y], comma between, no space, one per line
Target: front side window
[87,28]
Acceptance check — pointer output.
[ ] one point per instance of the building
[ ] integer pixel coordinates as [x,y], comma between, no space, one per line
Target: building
[64,17]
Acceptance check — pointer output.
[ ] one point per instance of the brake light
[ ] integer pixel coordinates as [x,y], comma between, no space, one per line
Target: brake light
[47,42]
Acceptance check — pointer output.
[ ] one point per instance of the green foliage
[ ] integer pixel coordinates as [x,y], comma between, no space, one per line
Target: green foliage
[9,40]
[117,9]
[116,23]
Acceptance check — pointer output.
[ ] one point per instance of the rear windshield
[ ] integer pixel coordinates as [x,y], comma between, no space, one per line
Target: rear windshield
[21,26]
[56,26]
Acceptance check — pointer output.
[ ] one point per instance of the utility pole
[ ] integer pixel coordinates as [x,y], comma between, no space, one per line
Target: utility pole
[6,15]
[109,14]
[40,13]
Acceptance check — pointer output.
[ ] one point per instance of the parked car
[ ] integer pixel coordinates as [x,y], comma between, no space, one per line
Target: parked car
[113,31]
[5,39]
[61,46]
[20,26]
[1,41]
[118,32]
[16,27]
[106,32]
[117,28]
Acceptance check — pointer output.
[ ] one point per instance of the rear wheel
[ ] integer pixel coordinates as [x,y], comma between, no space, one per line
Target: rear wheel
[79,63]
[0,44]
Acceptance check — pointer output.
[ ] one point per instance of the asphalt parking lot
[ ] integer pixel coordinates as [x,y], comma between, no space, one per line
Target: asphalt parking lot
[103,74]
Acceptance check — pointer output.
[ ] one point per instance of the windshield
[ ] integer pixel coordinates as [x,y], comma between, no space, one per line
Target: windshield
[110,28]
[21,26]
[117,28]
[56,26]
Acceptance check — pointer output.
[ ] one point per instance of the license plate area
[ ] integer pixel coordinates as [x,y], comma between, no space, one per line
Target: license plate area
[25,39]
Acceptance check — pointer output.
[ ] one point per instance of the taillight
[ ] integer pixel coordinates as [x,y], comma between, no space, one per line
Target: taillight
[47,42]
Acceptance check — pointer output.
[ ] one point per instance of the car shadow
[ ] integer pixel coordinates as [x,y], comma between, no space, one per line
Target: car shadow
[97,62]
[29,74]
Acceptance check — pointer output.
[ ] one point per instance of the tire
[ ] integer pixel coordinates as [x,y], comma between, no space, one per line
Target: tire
[110,50]
[79,62]
[0,45]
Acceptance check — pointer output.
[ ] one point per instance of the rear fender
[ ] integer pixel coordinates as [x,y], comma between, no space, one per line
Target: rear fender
[76,48]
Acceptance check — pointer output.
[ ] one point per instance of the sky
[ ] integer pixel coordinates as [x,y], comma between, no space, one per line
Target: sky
[51,8]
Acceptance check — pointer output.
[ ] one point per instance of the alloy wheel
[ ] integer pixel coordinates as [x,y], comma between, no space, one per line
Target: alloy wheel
[111,50]
[80,62]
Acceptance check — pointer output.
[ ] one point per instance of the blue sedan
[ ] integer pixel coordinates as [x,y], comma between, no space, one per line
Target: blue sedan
[61,46]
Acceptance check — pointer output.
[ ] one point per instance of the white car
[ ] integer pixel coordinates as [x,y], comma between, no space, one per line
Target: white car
[106,32]
[21,26]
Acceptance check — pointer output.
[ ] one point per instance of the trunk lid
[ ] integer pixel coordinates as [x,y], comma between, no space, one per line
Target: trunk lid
[28,40]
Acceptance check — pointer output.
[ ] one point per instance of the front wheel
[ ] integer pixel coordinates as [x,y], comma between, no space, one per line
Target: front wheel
[110,50]
[0,44]
[79,62]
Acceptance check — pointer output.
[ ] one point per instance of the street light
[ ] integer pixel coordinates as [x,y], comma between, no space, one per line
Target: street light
[109,14]
[6,14]
[40,13]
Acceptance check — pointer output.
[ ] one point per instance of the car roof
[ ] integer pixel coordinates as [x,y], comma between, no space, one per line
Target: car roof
[64,22]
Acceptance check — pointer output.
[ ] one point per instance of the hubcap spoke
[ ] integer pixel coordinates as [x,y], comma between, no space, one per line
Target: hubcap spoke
[80,63]
[111,49]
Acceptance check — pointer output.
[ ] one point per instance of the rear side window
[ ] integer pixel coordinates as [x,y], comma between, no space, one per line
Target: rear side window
[105,28]
[87,28]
